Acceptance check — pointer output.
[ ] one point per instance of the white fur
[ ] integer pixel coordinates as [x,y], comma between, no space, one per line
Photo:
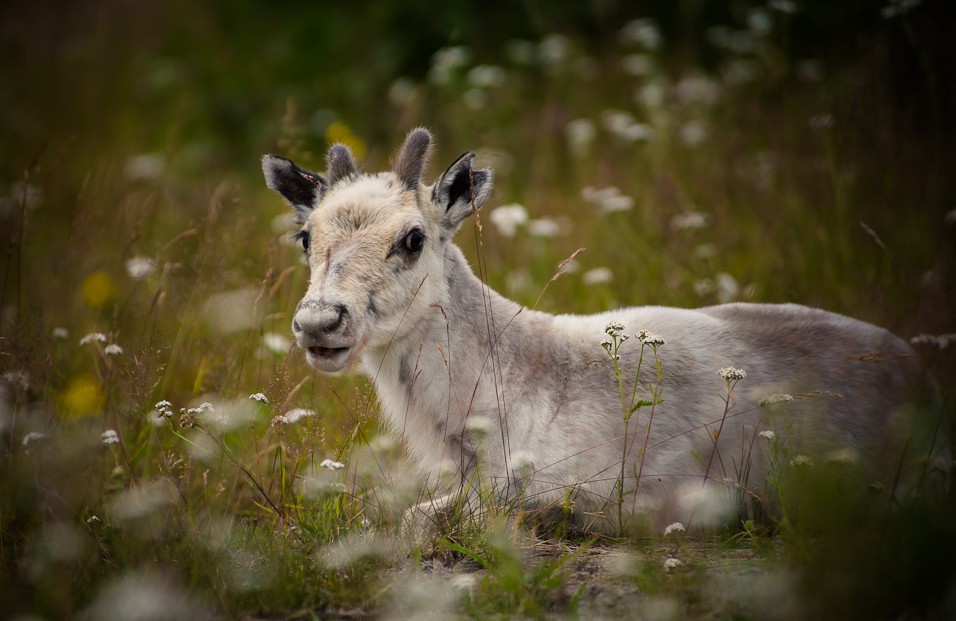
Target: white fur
[442,349]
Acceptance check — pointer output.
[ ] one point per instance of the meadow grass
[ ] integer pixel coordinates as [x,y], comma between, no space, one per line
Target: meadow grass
[167,453]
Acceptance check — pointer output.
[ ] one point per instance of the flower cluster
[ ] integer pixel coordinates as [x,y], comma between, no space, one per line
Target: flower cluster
[615,329]
[331,464]
[93,337]
[109,437]
[802,460]
[676,527]
[775,398]
[651,339]
[732,374]
[292,416]
[940,341]
[165,408]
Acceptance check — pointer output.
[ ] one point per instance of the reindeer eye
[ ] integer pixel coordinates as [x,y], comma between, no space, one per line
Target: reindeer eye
[414,240]
[303,238]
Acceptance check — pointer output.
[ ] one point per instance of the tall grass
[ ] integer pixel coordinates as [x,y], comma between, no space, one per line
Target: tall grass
[757,175]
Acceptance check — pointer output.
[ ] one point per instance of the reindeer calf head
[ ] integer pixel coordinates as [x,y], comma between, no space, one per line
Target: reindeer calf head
[375,245]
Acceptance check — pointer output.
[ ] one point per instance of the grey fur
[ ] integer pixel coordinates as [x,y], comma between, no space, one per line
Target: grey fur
[544,389]
[413,158]
[341,164]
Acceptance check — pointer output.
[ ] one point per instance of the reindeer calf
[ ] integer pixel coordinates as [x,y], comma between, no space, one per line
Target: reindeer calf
[472,379]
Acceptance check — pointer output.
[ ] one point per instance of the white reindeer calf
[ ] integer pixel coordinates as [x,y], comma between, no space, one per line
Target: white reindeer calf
[531,400]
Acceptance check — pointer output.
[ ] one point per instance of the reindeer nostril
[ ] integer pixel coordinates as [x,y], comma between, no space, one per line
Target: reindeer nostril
[295,326]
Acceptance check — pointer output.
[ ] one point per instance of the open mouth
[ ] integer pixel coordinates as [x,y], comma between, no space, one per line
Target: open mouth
[327,352]
[328,358]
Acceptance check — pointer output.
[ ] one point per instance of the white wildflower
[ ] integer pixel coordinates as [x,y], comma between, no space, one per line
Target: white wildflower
[331,464]
[156,418]
[697,90]
[672,563]
[767,435]
[597,276]
[802,460]
[608,200]
[676,527]
[554,50]
[732,374]
[113,350]
[760,22]
[17,378]
[693,133]
[580,135]
[649,338]
[261,398]
[109,437]
[522,462]
[446,61]
[508,218]
[642,32]
[163,405]
[33,436]
[93,337]
[487,76]
[614,328]
[622,125]
[276,343]
[60,333]
[139,268]
[727,288]
[775,398]
[543,227]
[940,341]
[690,221]
[480,425]
[293,416]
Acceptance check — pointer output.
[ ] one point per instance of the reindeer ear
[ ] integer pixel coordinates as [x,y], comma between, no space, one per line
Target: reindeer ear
[341,163]
[461,190]
[299,187]
[413,157]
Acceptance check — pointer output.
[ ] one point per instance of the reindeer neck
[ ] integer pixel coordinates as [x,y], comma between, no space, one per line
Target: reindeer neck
[431,376]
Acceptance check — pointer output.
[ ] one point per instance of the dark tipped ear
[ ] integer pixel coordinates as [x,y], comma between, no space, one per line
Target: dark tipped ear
[299,187]
[413,157]
[341,163]
[461,190]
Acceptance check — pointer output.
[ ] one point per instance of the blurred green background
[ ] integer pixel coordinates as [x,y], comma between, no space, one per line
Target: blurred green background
[700,151]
